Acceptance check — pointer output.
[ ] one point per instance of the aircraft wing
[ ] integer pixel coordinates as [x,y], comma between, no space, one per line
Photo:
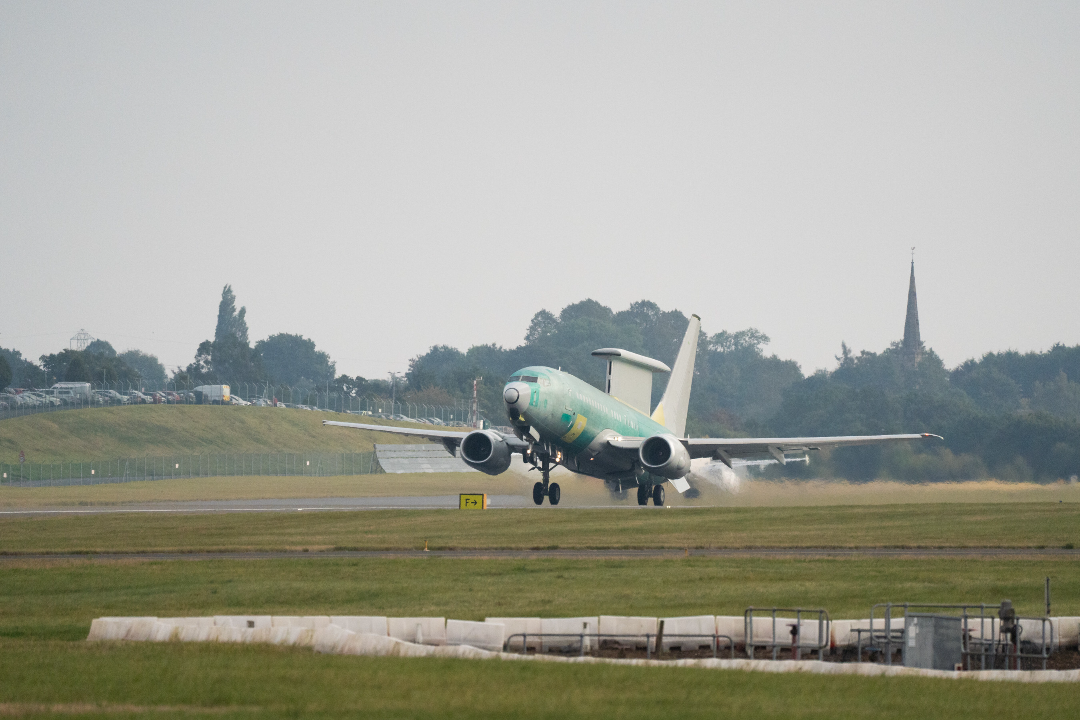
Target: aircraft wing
[450,438]
[454,436]
[728,449]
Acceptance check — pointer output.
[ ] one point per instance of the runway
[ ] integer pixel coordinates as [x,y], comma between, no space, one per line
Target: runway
[567,554]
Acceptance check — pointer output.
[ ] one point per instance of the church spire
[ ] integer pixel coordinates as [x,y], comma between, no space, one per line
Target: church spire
[912,346]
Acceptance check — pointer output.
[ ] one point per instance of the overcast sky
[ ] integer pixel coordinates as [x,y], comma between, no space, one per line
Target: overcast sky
[382,177]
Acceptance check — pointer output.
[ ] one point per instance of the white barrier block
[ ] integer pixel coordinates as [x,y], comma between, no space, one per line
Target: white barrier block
[301,636]
[243,621]
[331,638]
[1068,631]
[140,628]
[808,630]
[195,621]
[1033,631]
[280,635]
[565,633]
[517,626]
[628,631]
[699,628]
[371,625]
[109,628]
[422,631]
[284,620]
[488,636]
[732,626]
[225,633]
[195,633]
[164,631]
[256,635]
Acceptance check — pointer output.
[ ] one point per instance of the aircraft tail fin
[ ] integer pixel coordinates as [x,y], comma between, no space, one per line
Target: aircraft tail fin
[671,410]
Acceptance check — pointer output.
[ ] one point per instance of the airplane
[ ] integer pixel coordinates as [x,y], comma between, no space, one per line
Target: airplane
[558,419]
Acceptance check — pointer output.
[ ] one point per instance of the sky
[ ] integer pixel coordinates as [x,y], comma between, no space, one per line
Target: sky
[383,177]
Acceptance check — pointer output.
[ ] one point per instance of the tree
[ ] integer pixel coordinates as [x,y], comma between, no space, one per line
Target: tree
[5,373]
[77,371]
[293,360]
[229,357]
[101,347]
[149,368]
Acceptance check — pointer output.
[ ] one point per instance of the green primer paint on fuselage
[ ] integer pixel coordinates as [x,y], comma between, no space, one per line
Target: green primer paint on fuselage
[570,413]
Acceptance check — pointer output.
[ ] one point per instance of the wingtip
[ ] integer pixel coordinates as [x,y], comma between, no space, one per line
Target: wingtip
[932,435]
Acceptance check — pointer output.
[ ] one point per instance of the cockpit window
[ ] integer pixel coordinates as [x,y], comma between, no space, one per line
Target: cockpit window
[514,378]
[529,378]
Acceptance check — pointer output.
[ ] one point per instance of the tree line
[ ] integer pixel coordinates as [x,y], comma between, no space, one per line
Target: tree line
[1009,415]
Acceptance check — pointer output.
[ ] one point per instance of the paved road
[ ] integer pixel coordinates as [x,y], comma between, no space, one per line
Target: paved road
[587,554]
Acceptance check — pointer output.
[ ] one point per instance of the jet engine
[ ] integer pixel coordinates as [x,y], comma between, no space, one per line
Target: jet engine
[665,456]
[486,451]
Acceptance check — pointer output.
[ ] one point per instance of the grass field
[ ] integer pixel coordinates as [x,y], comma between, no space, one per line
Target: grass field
[151,430]
[1032,525]
[244,681]
[46,607]
[57,599]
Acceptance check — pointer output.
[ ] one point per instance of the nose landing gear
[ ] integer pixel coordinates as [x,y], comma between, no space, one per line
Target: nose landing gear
[545,488]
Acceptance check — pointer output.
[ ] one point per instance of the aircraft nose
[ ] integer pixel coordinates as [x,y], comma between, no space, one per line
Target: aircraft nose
[516,396]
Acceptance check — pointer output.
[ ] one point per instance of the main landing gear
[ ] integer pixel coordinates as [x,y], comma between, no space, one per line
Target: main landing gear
[546,489]
[656,491]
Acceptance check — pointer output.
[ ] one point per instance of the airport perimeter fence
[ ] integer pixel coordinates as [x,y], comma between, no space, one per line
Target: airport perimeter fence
[189,466]
[285,396]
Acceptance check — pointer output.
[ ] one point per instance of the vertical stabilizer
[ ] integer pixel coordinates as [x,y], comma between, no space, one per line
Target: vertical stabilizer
[671,411]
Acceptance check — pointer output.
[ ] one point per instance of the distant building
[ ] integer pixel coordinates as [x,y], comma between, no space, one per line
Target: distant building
[911,348]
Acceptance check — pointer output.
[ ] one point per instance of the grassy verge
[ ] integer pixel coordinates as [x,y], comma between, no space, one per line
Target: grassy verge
[56,600]
[1027,525]
[246,681]
[151,430]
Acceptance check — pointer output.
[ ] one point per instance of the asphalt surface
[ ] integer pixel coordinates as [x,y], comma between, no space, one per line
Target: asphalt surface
[591,554]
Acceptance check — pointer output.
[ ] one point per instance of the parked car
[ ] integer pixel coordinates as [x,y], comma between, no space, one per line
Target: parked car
[237,400]
[112,397]
[137,398]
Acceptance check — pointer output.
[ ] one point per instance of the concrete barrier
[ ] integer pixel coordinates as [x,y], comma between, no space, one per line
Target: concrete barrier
[300,636]
[419,630]
[703,626]
[243,621]
[109,628]
[628,631]
[371,625]
[368,644]
[565,633]
[225,633]
[730,625]
[194,633]
[516,626]
[1068,631]
[141,628]
[488,636]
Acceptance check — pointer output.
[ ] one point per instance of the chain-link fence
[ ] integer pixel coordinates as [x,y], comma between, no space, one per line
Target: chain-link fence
[281,396]
[189,466]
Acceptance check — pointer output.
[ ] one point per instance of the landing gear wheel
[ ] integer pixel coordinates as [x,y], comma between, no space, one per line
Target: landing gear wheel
[538,493]
[658,495]
[554,493]
[643,495]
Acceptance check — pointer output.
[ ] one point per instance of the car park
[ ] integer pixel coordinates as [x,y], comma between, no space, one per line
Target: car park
[112,397]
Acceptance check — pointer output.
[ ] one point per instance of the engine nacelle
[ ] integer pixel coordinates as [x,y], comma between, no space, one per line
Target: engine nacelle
[665,456]
[486,451]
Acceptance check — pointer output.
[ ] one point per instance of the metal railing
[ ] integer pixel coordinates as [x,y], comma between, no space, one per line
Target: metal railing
[650,640]
[795,642]
[188,466]
[980,647]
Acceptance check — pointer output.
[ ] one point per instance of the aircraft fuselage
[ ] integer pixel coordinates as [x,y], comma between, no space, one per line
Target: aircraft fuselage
[573,421]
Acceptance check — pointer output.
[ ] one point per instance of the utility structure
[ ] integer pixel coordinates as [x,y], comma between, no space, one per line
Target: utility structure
[911,348]
[81,340]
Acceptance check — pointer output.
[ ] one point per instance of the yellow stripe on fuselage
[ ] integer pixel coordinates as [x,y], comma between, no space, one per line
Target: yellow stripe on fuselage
[576,429]
[658,414]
